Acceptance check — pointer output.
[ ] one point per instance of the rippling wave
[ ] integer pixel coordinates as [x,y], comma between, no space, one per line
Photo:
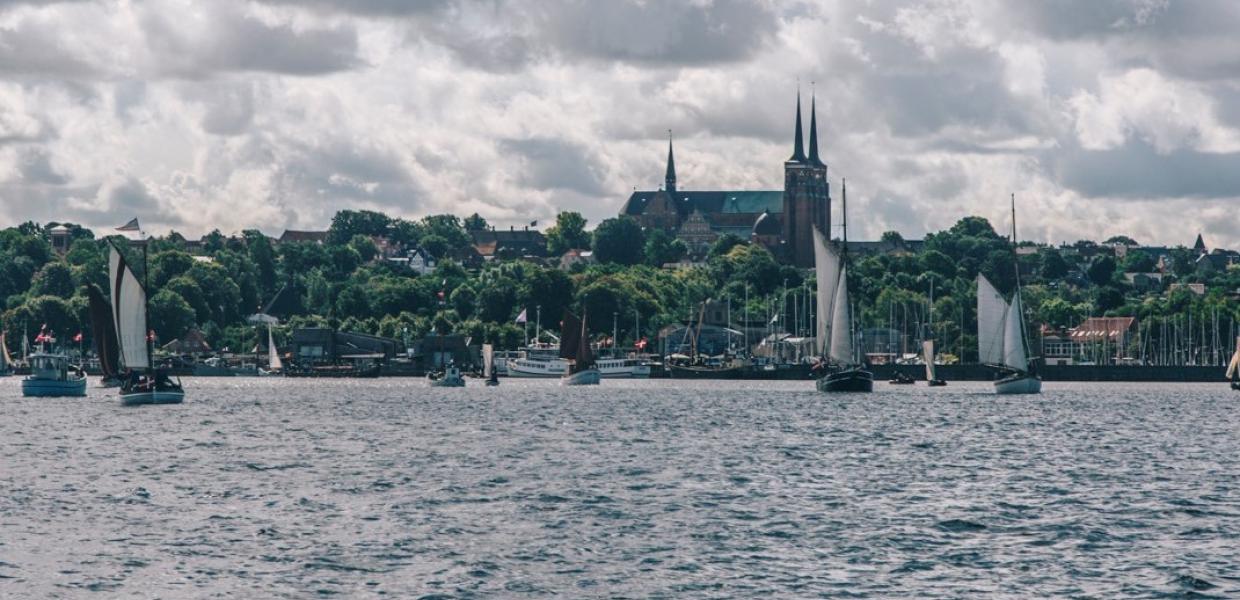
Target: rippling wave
[293,488]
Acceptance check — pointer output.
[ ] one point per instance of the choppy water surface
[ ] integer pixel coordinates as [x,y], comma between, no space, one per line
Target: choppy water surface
[272,487]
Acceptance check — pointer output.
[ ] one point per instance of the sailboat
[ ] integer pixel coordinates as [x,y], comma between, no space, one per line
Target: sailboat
[143,384]
[1233,367]
[927,347]
[575,346]
[275,366]
[835,336]
[1001,334]
[6,361]
[488,365]
[104,333]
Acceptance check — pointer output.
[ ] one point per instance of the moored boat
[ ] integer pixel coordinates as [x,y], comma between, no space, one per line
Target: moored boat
[1233,368]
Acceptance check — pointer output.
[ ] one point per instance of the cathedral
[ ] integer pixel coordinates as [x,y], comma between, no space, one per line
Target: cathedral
[781,221]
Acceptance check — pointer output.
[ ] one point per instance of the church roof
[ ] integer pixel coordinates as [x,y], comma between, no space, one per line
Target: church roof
[720,202]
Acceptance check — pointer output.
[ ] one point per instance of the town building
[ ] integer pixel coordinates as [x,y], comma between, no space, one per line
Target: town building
[780,220]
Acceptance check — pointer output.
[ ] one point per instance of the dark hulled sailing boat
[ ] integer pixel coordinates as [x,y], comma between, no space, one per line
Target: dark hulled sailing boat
[143,383]
[841,369]
[575,347]
[104,333]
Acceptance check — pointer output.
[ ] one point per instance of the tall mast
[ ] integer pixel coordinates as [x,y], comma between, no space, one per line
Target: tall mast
[146,307]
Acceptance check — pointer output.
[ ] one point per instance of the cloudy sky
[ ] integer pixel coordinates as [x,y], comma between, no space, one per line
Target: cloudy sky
[1104,117]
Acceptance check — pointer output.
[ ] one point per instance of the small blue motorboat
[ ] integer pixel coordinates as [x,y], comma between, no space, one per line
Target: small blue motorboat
[51,375]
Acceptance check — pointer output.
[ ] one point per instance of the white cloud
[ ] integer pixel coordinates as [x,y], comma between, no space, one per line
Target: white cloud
[1141,102]
[276,114]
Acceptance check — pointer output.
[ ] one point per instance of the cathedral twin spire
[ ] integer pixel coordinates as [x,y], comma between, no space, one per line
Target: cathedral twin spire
[798,148]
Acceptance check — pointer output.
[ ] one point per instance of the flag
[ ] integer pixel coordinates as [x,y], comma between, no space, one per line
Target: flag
[775,319]
[533,223]
[78,338]
[132,225]
[521,318]
[641,344]
[150,335]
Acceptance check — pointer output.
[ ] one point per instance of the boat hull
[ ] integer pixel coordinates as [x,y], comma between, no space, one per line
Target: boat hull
[936,383]
[155,397]
[586,377]
[553,369]
[50,388]
[682,372]
[1019,384]
[849,380]
[447,382]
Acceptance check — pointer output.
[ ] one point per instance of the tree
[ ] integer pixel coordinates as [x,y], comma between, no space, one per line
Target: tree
[496,300]
[447,227]
[352,302]
[264,258]
[1121,239]
[348,223]
[724,244]
[54,279]
[1138,262]
[662,248]
[475,222]
[892,237]
[1054,267]
[167,265]
[1101,270]
[171,315]
[568,233]
[619,240]
[365,247]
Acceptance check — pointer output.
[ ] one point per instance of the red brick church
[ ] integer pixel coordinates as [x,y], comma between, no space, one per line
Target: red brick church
[782,221]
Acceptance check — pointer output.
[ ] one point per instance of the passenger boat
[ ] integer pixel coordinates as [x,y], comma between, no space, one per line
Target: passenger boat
[575,347]
[543,360]
[51,375]
[143,383]
[842,369]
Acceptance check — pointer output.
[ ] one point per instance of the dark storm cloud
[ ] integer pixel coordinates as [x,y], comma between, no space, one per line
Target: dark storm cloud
[1136,170]
[547,163]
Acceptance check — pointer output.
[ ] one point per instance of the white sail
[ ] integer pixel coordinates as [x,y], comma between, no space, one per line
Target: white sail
[488,360]
[1234,365]
[841,323]
[827,270]
[128,312]
[1014,338]
[991,313]
[927,350]
[6,361]
[273,355]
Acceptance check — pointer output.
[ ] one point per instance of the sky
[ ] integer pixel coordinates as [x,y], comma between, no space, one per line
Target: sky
[1103,117]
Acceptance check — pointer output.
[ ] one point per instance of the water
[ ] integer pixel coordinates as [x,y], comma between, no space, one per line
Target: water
[638,489]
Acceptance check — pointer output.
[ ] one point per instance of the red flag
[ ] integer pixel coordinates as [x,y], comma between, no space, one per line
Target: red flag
[78,337]
[150,335]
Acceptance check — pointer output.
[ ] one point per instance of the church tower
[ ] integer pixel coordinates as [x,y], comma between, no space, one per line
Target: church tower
[807,199]
[669,180]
